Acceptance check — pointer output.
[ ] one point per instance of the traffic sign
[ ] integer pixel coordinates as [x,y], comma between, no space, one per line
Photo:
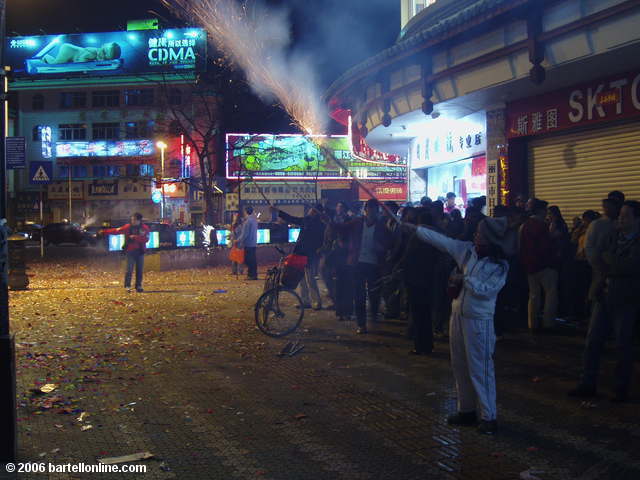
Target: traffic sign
[40,173]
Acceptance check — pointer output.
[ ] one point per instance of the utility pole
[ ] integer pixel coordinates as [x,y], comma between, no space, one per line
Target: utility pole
[69,187]
[7,346]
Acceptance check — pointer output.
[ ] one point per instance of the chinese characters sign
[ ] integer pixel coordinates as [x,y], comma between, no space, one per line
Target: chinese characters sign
[613,98]
[447,141]
[387,191]
[107,53]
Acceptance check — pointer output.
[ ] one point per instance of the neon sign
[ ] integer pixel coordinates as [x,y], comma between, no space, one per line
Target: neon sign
[124,148]
[271,157]
[107,53]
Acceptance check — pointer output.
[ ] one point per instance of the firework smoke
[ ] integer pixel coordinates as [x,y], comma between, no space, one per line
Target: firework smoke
[257,41]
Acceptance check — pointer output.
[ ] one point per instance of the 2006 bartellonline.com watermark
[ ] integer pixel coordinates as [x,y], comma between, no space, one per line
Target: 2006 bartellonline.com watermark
[45,467]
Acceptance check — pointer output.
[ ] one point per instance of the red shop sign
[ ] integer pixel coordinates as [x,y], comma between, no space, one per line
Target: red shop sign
[386,191]
[604,100]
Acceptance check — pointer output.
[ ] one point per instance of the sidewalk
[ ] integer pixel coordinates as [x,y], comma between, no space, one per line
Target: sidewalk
[181,371]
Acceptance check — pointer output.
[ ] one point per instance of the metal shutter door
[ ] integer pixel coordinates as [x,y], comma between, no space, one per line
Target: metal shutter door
[576,171]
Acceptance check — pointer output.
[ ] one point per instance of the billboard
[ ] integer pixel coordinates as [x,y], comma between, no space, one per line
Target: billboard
[271,157]
[107,53]
[103,148]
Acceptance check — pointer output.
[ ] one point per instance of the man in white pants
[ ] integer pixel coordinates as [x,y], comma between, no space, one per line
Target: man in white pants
[483,272]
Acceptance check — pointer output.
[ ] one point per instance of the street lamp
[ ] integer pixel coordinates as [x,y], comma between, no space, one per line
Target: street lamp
[162,146]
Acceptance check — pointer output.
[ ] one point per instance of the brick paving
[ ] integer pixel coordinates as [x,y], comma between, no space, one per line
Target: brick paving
[182,372]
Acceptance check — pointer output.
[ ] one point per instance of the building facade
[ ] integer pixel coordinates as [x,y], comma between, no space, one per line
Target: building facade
[104,132]
[480,95]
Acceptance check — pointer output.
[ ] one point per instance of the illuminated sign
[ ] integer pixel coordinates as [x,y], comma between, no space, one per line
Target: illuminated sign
[107,53]
[448,140]
[185,238]
[116,242]
[185,150]
[223,237]
[156,196]
[294,233]
[102,189]
[385,191]
[154,240]
[47,144]
[264,235]
[124,148]
[271,157]
[174,189]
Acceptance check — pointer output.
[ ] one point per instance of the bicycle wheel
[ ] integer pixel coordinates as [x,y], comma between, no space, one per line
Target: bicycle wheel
[279,312]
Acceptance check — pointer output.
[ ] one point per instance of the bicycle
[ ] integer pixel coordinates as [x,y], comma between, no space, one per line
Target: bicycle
[279,310]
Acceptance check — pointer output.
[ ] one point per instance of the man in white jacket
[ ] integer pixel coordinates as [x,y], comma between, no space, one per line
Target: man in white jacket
[472,338]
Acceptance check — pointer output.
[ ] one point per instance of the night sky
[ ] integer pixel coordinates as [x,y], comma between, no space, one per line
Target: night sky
[337,33]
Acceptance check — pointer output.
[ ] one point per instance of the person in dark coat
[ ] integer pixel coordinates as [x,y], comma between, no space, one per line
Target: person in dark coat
[333,253]
[417,266]
[616,306]
[368,242]
[308,243]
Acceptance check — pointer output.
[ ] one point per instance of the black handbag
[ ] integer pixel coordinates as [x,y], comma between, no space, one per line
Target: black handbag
[456,279]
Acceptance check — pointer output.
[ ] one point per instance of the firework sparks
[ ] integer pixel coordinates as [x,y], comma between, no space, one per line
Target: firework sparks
[256,41]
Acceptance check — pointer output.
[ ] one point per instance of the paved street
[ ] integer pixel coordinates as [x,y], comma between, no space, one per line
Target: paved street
[180,371]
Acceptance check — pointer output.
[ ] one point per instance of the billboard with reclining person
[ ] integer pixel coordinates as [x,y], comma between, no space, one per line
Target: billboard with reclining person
[178,50]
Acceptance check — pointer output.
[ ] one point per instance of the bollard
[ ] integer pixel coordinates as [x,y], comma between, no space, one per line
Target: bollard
[18,279]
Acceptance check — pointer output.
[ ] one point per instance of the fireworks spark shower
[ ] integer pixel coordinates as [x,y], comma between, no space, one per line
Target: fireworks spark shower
[257,41]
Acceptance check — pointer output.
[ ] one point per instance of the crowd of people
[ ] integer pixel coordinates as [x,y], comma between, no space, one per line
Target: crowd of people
[471,278]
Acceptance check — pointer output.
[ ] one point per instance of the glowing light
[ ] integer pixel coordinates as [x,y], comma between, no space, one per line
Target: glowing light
[169,35]
[206,235]
[156,196]
[256,43]
[169,188]
[161,145]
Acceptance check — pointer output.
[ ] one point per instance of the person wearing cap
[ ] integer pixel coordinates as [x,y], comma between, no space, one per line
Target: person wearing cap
[308,243]
[484,271]
[537,257]
[597,237]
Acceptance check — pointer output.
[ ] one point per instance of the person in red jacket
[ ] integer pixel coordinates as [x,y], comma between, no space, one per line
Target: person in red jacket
[136,235]
[537,257]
